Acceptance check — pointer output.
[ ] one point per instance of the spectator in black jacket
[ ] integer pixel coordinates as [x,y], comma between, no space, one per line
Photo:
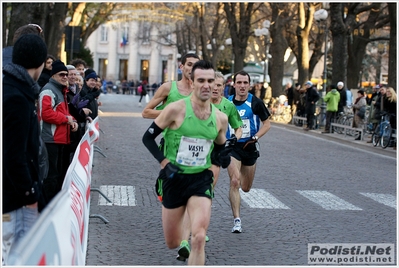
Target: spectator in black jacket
[46,73]
[22,180]
[90,92]
[342,100]
[312,96]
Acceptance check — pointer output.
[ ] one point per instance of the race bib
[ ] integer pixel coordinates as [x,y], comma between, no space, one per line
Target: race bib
[246,128]
[193,151]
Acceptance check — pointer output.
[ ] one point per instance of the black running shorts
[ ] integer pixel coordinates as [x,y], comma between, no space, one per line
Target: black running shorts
[177,191]
[247,156]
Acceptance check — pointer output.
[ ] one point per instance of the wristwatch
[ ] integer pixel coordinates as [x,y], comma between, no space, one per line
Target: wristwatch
[255,138]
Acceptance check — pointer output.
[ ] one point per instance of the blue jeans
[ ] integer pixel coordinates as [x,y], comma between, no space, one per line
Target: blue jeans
[19,223]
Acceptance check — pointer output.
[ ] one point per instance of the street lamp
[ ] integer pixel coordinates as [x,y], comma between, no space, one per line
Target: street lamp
[321,15]
[265,32]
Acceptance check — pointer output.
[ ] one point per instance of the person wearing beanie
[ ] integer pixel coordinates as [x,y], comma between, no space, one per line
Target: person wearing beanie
[311,97]
[90,92]
[342,94]
[22,154]
[56,124]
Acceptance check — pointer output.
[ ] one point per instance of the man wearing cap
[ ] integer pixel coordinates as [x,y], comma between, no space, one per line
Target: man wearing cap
[56,123]
[342,94]
[311,98]
[22,191]
[90,92]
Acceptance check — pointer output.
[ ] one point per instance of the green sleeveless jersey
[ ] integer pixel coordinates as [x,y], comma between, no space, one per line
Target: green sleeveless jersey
[231,111]
[190,146]
[174,95]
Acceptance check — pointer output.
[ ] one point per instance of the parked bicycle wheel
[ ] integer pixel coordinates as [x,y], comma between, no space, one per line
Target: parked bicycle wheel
[349,122]
[340,120]
[375,138]
[386,135]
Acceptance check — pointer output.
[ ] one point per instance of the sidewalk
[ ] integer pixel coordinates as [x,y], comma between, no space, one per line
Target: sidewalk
[389,151]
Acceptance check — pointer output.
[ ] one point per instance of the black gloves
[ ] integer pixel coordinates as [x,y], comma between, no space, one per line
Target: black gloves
[171,170]
[225,153]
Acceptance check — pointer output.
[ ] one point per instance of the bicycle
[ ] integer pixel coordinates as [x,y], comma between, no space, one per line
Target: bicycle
[383,132]
[344,118]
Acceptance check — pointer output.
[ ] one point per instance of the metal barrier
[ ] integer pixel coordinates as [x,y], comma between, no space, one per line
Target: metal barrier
[346,127]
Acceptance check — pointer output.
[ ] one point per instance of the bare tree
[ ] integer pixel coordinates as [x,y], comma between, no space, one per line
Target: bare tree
[392,65]
[239,20]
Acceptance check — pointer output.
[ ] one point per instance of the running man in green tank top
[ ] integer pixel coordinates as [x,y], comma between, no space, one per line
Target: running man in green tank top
[172,91]
[193,129]
[227,107]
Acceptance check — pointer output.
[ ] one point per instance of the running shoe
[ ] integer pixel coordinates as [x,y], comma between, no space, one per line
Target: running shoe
[184,251]
[237,226]
[206,238]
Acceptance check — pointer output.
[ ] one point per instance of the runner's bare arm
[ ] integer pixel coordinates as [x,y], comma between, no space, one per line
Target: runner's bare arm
[160,95]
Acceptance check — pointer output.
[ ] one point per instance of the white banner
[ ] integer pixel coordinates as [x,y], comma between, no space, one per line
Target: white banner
[59,237]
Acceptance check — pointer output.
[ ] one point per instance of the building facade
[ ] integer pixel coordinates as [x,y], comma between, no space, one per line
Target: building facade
[134,50]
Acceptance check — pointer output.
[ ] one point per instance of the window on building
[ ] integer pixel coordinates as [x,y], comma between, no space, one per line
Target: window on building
[104,34]
[124,35]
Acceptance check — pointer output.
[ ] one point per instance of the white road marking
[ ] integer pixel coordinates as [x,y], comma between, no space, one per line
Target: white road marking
[119,195]
[386,199]
[327,200]
[259,198]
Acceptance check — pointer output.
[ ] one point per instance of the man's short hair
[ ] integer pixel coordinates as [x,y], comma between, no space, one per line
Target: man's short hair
[219,75]
[244,73]
[27,29]
[188,55]
[77,62]
[70,67]
[201,64]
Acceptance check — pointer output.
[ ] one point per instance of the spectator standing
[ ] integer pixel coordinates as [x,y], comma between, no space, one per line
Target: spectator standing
[22,180]
[246,151]
[90,92]
[311,97]
[342,100]
[125,87]
[76,109]
[296,103]
[80,66]
[142,89]
[56,124]
[45,75]
[332,99]
[79,81]
[258,90]
[349,97]
[26,29]
[359,109]
[268,94]
[371,102]
[289,92]
[391,108]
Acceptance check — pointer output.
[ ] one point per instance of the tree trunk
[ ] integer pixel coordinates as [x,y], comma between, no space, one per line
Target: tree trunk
[240,35]
[277,51]
[392,65]
[303,29]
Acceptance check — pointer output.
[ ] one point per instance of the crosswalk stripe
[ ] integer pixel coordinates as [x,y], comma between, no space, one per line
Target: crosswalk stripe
[119,195]
[386,199]
[327,200]
[259,198]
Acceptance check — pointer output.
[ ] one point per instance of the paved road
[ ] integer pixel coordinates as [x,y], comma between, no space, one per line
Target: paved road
[308,188]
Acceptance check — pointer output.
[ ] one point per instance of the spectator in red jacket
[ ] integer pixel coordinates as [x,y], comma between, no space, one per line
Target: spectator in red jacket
[56,123]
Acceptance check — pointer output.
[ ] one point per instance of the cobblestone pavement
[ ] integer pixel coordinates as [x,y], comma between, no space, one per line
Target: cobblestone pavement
[309,188]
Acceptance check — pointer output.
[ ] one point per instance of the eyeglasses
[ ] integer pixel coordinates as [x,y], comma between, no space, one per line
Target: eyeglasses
[63,74]
[37,27]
